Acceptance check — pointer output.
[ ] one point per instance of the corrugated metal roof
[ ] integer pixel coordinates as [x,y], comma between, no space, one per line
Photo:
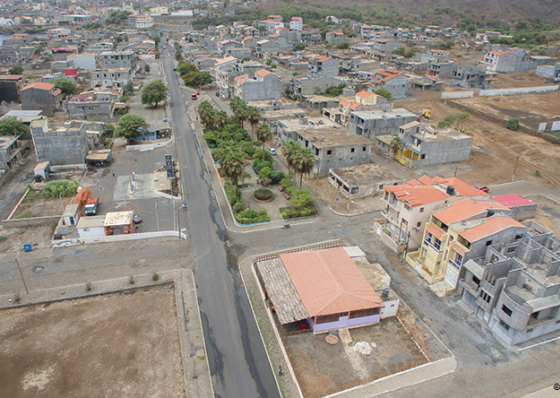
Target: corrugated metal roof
[282,292]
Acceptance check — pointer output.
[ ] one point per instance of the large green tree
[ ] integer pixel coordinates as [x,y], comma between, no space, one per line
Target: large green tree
[384,93]
[10,126]
[156,40]
[66,86]
[153,93]
[17,69]
[128,126]
[185,68]
[197,79]
[263,133]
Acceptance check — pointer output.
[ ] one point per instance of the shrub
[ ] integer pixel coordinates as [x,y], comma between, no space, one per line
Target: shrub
[107,143]
[257,143]
[238,207]
[247,147]
[267,155]
[263,194]
[513,124]
[251,216]
[265,171]
[230,193]
[131,280]
[3,238]
[25,214]
[53,189]
[211,139]
[88,286]
[155,276]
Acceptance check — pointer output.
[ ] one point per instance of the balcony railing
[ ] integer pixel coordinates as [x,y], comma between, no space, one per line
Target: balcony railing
[427,243]
[454,264]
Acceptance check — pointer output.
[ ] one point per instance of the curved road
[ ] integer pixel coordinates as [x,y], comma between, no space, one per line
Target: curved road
[236,354]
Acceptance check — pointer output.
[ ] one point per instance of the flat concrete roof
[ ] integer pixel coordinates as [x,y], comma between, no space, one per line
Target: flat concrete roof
[91,222]
[365,174]
[377,114]
[118,218]
[5,142]
[333,137]
[436,134]
[312,123]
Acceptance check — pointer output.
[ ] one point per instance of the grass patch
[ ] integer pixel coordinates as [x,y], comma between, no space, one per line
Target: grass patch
[3,238]
[554,133]
[201,357]
[25,214]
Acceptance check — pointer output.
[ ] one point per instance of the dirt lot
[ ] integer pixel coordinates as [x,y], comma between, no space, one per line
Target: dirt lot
[322,368]
[39,237]
[495,148]
[122,345]
[547,214]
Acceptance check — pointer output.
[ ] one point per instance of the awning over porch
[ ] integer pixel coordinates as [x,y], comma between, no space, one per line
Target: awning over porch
[282,292]
[435,231]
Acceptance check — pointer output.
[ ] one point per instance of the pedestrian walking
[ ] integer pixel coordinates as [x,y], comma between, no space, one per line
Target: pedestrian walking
[113,173]
[280,371]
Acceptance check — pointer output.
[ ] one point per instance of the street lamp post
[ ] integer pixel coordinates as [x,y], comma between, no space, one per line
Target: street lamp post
[157,219]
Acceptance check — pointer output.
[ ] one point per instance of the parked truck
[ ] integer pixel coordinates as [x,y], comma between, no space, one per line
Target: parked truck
[91,207]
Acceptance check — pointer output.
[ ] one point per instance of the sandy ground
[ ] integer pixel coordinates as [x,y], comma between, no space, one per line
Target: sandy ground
[495,148]
[547,214]
[122,345]
[322,368]
[39,237]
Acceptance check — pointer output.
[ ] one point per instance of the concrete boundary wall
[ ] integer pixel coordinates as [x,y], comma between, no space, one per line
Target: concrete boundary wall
[502,120]
[457,94]
[116,238]
[30,222]
[147,147]
[517,91]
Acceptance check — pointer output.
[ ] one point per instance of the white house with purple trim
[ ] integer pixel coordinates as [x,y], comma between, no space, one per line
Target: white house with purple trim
[318,291]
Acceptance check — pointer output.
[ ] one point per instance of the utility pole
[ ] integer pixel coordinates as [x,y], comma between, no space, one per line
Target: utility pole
[21,273]
[157,219]
[515,169]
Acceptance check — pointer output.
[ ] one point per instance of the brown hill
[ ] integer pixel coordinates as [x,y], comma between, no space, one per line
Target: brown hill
[507,10]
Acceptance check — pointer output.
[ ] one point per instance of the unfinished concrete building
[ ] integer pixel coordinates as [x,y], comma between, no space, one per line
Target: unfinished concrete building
[356,182]
[287,128]
[423,145]
[374,123]
[60,146]
[334,147]
[515,287]
[469,76]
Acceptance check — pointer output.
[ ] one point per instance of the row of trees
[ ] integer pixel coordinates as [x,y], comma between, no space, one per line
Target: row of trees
[299,159]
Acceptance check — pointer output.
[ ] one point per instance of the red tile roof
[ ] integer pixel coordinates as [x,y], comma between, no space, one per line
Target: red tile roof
[513,200]
[466,209]
[262,73]
[40,86]
[435,231]
[489,227]
[364,94]
[329,282]
[461,188]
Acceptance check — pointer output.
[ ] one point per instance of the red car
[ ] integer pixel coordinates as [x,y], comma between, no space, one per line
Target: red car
[483,189]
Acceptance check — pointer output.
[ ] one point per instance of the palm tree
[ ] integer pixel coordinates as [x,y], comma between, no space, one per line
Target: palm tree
[242,115]
[304,163]
[233,164]
[207,114]
[263,133]
[221,118]
[291,151]
[396,144]
[253,116]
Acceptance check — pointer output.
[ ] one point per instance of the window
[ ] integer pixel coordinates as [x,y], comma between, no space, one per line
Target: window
[421,210]
[352,150]
[328,318]
[504,325]
[428,237]
[363,149]
[506,310]
[423,156]
[458,259]
[407,206]
[404,222]
[511,249]
[437,243]
[418,225]
[517,237]
[488,243]
[363,313]
[329,152]
[355,189]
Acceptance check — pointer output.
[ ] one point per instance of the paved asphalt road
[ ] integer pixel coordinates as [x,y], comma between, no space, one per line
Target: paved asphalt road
[236,354]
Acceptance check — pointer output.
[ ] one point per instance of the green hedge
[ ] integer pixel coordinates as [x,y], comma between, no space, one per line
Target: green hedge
[263,194]
[251,216]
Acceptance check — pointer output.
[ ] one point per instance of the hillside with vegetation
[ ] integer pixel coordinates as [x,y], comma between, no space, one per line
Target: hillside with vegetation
[500,15]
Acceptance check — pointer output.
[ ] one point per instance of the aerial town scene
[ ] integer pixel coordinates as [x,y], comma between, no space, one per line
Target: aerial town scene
[257,198]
